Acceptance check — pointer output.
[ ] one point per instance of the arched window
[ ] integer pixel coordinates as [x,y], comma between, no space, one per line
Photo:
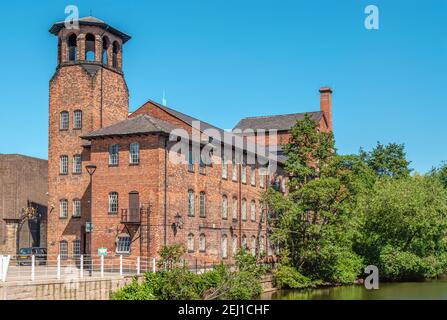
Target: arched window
[234,208]
[190,242]
[191,205]
[105,49]
[224,207]
[72,48]
[77,119]
[244,210]
[76,246]
[262,245]
[64,120]
[244,242]
[235,246]
[202,243]
[123,244]
[253,245]
[202,204]
[224,246]
[90,47]
[253,210]
[113,202]
[115,50]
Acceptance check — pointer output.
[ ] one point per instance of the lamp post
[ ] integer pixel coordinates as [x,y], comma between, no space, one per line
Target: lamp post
[91,169]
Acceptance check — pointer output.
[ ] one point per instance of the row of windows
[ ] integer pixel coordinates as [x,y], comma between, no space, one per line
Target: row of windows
[224,207]
[134,154]
[90,49]
[76,249]
[252,247]
[64,120]
[77,164]
[76,208]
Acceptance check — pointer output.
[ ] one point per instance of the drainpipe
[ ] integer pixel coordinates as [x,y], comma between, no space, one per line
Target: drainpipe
[166,192]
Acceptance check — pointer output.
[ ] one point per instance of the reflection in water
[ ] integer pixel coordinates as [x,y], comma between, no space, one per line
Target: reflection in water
[430,290]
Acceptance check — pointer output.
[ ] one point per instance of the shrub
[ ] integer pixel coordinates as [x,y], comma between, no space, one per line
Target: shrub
[286,277]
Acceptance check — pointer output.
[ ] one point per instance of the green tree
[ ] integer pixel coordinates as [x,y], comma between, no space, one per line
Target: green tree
[387,161]
[405,227]
[440,173]
[316,220]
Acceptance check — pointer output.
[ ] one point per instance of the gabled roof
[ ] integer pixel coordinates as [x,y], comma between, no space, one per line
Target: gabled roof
[142,124]
[91,21]
[280,122]
[186,118]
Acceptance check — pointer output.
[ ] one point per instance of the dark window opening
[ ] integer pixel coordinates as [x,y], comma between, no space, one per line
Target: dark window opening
[72,48]
[90,47]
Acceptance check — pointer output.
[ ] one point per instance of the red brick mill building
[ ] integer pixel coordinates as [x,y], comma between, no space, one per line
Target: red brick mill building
[141,200]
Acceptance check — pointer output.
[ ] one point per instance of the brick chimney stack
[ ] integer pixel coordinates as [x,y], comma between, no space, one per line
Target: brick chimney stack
[326,104]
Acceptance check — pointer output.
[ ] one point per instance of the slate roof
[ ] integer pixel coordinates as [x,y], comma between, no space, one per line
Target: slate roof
[186,118]
[280,122]
[91,21]
[143,124]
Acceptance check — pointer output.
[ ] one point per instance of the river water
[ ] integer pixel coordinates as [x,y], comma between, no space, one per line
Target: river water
[429,290]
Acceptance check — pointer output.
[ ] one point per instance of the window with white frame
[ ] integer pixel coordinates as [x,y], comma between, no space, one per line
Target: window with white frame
[64,120]
[234,208]
[202,166]
[77,119]
[190,160]
[244,242]
[244,173]
[63,208]
[262,244]
[253,245]
[63,164]
[123,244]
[113,155]
[113,202]
[234,172]
[190,243]
[63,250]
[235,246]
[224,246]
[202,243]
[76,249]
[253,210]
[261,177]
[253,176]
[191,205]
[224,168]
[134,153]
[244,209]
[224,207]
[77,164]
[202,204]
[77,208]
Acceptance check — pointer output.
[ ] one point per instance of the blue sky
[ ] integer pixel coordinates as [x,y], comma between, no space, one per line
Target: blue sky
[221,60]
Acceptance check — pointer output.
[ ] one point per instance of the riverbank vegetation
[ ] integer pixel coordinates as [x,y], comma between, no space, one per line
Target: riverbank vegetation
[174,281]
[346,212]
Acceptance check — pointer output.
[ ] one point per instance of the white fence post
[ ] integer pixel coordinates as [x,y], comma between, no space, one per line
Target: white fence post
[138,266]
[58,276]
[121,265]
[102,266]
[33,267]
[82,267]
[4,263]
[153,265]
[1,267]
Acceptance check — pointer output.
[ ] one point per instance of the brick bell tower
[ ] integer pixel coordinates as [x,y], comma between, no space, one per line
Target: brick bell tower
[87,92]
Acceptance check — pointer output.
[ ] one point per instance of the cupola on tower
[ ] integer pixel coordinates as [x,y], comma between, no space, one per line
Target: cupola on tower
[87,92]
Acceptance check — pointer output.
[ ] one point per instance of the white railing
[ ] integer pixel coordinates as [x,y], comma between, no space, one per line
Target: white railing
[61,267]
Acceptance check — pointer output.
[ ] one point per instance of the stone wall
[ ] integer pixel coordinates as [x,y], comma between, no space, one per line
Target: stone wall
[87,289]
